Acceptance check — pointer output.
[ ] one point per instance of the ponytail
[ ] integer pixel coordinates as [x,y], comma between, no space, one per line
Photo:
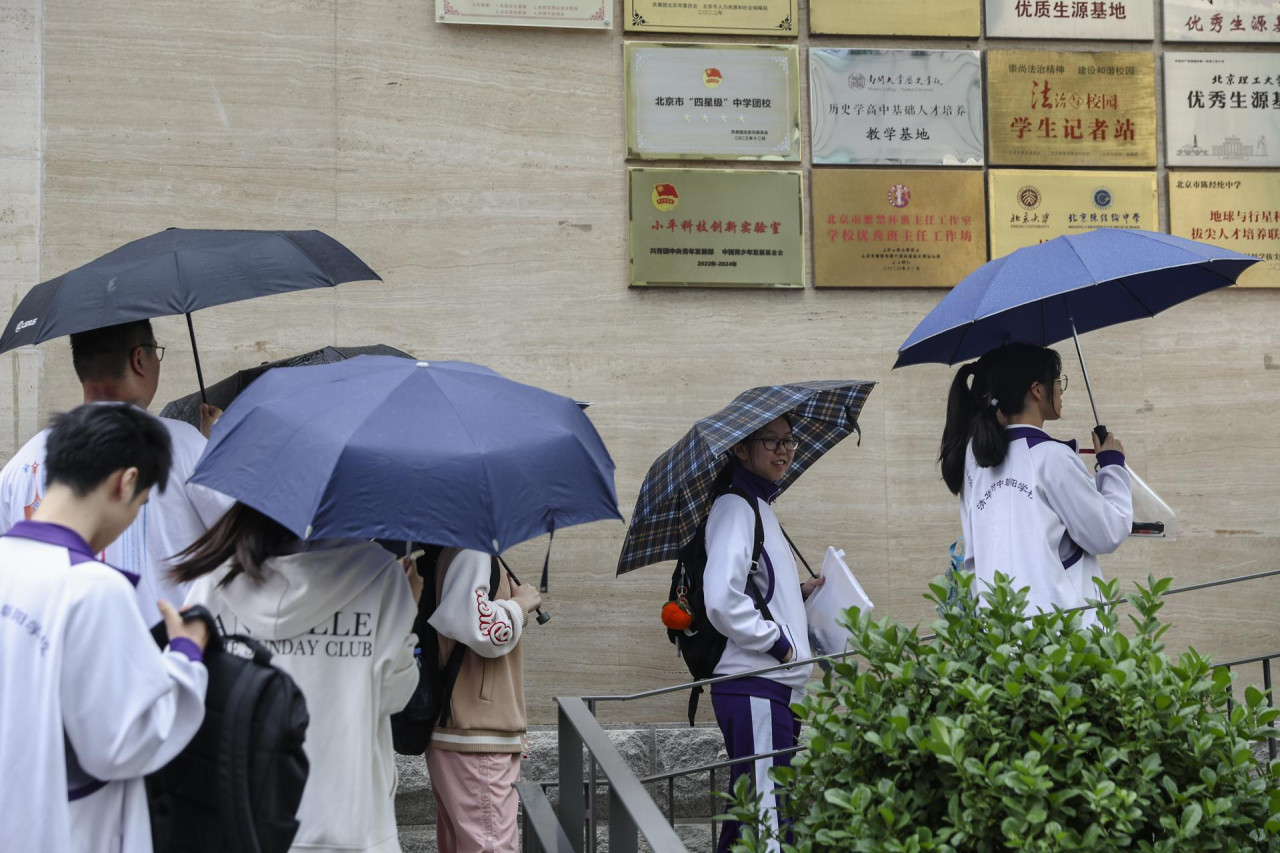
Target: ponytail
[1001,380]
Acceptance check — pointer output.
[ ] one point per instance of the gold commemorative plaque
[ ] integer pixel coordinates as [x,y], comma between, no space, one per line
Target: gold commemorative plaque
[728,17]
[896,17]
[1051,108]
[715,102]
[716,227]
[1234,210]
[1030,206]
[897,227]
[574,14]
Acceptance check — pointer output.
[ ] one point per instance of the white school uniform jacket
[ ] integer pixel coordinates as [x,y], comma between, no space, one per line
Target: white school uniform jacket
[1042,518]
[79,671]
[754,643]
[338,615]
[169,522]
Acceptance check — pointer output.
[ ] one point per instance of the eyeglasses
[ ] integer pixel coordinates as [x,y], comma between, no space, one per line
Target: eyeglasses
[159,350]
[1062,382]
[772,444]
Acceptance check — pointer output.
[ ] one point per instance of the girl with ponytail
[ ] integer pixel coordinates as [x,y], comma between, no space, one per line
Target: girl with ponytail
[1029,507]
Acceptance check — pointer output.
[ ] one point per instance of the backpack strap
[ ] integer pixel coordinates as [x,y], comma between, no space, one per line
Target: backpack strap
[453,665]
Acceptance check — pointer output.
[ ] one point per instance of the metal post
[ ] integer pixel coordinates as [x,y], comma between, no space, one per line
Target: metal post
[671,799]
[711,813]
[623,837]
[592,825]
[572,805]
[1266,685]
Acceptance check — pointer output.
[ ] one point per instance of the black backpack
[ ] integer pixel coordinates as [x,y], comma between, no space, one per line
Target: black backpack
[411,728]
[237,785]
[701,645]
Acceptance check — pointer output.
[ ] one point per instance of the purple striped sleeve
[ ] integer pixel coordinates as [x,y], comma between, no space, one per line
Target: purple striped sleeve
[778,651]
[187,647]
[1110,457]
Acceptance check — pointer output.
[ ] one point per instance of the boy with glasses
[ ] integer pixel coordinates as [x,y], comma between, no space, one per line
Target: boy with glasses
[754,712]
[121,364]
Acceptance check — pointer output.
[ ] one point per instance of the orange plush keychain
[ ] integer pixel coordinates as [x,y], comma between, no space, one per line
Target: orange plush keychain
[676,614]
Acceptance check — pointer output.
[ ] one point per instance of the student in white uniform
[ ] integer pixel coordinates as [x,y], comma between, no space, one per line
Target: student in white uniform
[754,713]
[89,704]
[122,364]
[338,614]
[1028,505]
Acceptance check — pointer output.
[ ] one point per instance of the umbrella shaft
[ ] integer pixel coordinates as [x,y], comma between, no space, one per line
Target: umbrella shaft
[1087,385]
[195,353]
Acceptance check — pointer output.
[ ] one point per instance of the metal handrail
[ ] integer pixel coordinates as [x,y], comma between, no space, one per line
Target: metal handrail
[633,812]
[659,691]
[539,821]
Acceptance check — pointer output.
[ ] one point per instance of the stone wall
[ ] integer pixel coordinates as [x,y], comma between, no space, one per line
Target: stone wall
[481,172]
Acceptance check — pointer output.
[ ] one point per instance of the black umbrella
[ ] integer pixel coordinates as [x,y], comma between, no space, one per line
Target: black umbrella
[176,272]
[221,393]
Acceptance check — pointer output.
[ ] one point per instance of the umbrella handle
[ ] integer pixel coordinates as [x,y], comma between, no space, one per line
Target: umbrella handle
[1101,432]
[543,618]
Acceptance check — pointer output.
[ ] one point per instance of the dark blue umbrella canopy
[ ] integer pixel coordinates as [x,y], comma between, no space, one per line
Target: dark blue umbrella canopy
[179,271]
[383,447]
[1094,279]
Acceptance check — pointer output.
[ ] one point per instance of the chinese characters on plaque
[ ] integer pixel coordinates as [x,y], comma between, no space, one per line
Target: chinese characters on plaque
[896,17]
[1222,109]
[739,228]
[918,107]
[1222,20]
[897,228]
[1071,19]
[581,14]
[742,17]
[720,102]
[1068,108]
[1235,210]
[1029,206]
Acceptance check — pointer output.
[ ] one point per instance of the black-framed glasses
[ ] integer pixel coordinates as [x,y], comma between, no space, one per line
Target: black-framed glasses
[772,444]
[159,350]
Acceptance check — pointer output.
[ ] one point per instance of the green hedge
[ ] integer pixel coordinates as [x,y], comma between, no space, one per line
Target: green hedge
[1015,733]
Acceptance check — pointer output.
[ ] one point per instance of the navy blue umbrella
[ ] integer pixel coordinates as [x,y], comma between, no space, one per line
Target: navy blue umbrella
[390,448]
[1075,283]
[178,271]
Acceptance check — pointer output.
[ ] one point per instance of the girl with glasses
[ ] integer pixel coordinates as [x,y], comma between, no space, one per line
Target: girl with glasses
[1028,506]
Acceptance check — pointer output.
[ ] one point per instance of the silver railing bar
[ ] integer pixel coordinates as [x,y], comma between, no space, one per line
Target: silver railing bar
[746,759]
[631,809]
[659,691]
[540,823]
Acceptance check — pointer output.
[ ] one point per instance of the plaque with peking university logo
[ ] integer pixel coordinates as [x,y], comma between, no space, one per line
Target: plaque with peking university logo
[714,102]
[1056,108]
[716,227]
[910,107]
[897,227]
[1030,206]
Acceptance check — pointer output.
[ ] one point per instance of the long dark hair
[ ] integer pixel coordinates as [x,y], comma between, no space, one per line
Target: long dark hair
[999,381]
[245,536]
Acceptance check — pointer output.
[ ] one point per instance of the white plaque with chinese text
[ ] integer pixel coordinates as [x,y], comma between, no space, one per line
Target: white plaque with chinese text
[715,102]
[1071,19]
[575,14]
[1222,21]
[1222,109]
[913,107]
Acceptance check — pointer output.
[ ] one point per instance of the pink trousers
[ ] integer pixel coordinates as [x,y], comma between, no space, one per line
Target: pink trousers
[475,800]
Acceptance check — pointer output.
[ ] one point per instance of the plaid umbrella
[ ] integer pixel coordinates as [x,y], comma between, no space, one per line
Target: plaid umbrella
[677,492]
